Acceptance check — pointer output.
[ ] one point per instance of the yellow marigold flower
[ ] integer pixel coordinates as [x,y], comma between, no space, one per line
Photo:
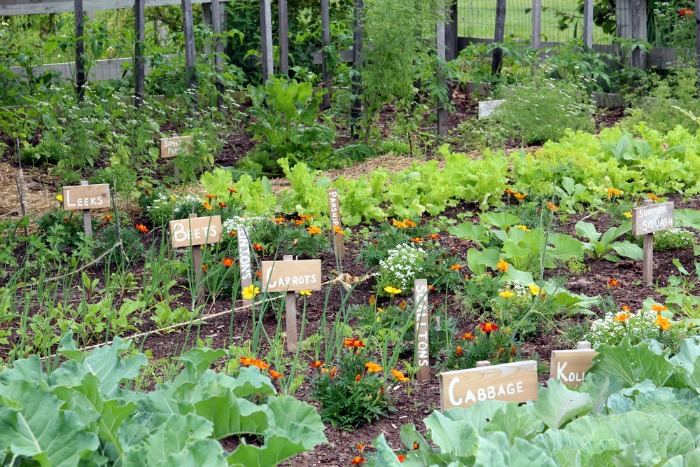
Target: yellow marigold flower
[400,376]
[659,308]
[313,230]
[373,367]
[207,206]
[305,293]
[455,267]
[338,230]
[534,290]
[622,317]
[502,265]
[399,224]
[627,214]
[59,198]
[506,294]
[392,290]
[250,292]
[520,196]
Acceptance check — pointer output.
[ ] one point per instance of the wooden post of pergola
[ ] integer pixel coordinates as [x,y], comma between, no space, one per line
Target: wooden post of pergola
[325,43]
[284,37]
[139,48]
[80,77]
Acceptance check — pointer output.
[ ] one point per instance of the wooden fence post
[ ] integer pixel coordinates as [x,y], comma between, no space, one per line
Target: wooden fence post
[452,32]
[536,39]
[218,50]
[266,39]
[325,43]
[139,45]
[588,23]
[499,35]
[188,28]
[80,77]
[284,37]
[697,37]
[441,111]
[358,38]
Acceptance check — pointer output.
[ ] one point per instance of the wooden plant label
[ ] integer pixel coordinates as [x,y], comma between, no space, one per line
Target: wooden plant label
[85,197]
[570,366]
[195,231]
[487,108]
[510,382]
[171,147]
[652,218]
[422,361]
[245,262]
[291,276]
[334,209]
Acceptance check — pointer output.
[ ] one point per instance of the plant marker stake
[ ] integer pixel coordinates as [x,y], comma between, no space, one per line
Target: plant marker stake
[338,245]
[290,308]
[648,254]
[422,346]
[245,263]
[21,188]
[87,217]
[482,363]
[583,345]
[198,272]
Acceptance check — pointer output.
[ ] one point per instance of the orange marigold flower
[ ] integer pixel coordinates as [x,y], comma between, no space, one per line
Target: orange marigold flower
[434,236]
[205,268]
[502,265]
[141,228]
[108,217]
[401,458]
[488,327]
[275,375]
[613,283]
[278,220]
[299,222]
[358,378]
[455,267]
[432,288]
[257,246]
[222,204]
[207,206]
[399,224]
[258,274]
[520,196]
[210,196]
[353,343]
[417,239]
[685,12]
[458,351]
[245,361]
[338,230]
[228,262]
[508,191]
[313,230]
[622,317]
[358,460]
[625,308]
[332,372]
[467,335]
[260,364]
[613,192]
[552,207]
[400,376]
[658,308]
[653,197]
[409,223]
[316,364]
[373,367]
[233,233]
[662,322]
[360,447]
[304,216]
[232,190]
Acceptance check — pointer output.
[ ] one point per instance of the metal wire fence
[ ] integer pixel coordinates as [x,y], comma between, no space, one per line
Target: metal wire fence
[477,19]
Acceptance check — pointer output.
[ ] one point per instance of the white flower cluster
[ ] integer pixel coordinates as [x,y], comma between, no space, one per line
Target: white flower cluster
[637,327]
[236,222]
[402,266]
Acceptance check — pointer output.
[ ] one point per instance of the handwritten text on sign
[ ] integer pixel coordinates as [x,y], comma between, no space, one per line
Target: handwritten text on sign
[82,197]
[510,382]
[570,366]
[290,276]
[420,297]
[195,231]
[650,219]
[171,147]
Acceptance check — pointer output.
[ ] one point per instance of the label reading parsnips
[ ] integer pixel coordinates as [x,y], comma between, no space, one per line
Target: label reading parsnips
[82,197]
[291,276]
[195,231]
[510,382]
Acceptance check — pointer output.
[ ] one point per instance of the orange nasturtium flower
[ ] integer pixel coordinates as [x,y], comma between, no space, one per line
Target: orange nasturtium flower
[467,335]
[275,375]
[613,283]
[141,228]
[400,376]
[455,267]
[313,230]
[488,327]
[622,317]
[228,262]
[552,207]
[207,206]
[401,458]
[338,230]
[357,460]
[373,367]
[613,192]
[458,351]
[662,322]
[502,265]
[520,196]
[653,197]
[658,308]
[316,364]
